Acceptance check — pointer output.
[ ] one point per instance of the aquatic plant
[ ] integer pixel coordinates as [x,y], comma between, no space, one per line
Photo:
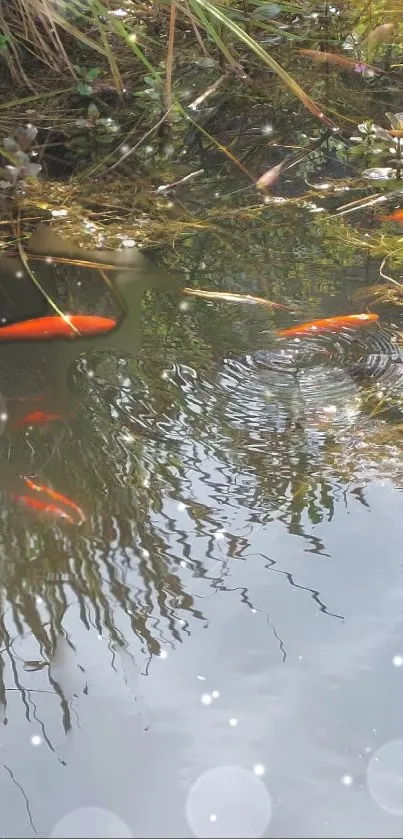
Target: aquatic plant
[17,149]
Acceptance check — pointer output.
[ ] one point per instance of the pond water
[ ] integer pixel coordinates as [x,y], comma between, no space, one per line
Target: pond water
[210,642]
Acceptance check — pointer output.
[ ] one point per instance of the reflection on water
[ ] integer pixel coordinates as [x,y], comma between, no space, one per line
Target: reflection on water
[204,652]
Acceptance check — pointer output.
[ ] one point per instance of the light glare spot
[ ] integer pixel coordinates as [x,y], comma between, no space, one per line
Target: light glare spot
[347,780]
[233,722]
[259,769]
[88,822]
[236,797]
[36,740]
[397,660]
[206,699]
[385,777]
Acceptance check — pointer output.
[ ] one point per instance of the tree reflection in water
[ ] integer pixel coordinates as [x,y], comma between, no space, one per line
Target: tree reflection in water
[162,455]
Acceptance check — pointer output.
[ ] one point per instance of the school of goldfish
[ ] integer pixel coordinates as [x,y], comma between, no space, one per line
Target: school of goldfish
[38,497]
[47,501]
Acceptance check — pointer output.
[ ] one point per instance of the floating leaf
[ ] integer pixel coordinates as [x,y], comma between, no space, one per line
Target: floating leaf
[32,666]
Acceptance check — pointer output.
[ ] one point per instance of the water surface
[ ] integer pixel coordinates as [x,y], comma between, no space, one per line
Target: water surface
[233,598]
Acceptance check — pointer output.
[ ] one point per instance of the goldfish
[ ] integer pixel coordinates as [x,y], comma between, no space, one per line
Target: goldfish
[397,215]
[57,496]
[73,514]
[36,418]
[335,324]
[54,326]
[44,507]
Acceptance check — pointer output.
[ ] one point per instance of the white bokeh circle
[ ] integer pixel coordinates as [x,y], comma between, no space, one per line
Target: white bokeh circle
[228,801]
[91,822]
[385,777]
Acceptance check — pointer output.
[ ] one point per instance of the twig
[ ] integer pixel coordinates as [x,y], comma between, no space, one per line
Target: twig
[233,297]
[361,204]
[203,96]
[190,176]
[170,56]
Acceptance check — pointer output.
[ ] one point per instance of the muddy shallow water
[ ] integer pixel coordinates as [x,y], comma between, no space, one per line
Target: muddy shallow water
[217,650]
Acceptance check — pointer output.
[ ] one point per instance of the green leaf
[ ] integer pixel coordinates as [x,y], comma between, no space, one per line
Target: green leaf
[266,11]
[84,89]
[93,73]
[93,112]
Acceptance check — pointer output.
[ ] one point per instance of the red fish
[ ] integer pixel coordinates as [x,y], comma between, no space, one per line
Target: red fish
[397,215]
[36,418]
[314,327]
[54,326]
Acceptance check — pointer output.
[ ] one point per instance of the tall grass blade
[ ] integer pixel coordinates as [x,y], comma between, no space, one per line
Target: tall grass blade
[264,56]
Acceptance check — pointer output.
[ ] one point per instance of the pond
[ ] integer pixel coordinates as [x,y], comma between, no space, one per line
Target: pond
[201,550]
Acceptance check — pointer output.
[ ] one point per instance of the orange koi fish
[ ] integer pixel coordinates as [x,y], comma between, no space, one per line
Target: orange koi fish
[315,327]
[54,326]
[397,215]
[46,505]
